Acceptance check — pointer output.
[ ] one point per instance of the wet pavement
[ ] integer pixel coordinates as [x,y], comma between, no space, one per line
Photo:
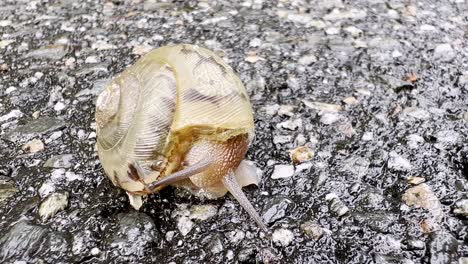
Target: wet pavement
[376,92]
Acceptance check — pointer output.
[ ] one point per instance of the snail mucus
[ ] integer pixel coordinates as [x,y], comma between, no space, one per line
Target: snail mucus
[179,116]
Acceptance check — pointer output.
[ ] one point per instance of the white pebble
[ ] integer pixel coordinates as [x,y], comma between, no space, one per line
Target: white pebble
[52,205]
[10,89]
[398,163]
[368,136]
[59,106]
[283,236]
[185,225]
[282,171]
[13,114]
[46,188]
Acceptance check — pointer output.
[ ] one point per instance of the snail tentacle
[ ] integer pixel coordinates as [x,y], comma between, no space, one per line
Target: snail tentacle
[182,174]
[231,184]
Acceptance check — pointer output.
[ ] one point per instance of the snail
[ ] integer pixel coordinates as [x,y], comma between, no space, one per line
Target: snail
[179,116]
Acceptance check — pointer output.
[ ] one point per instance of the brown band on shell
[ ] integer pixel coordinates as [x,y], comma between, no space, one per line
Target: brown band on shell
[168,103]
[212,61]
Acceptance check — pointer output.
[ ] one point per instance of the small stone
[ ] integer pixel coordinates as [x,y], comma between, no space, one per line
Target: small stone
[185,225]
[46,188]
[135,236]
[394,83]
[39,126]
[416,244]
[14,114]
[443,248]
[299,18]
[444,52]
[246,254]
[336,205]
[322,106]
[448,137]
[253,58]
[102,45]
[71,176]
[170,235]
[301,154]
[283,237]
[329,118]
[54,136]
[59,106]
[316,23]
[307,59]
[293,83]
[91,59]
[332,31]
[290,124]
[10,89]
[350,100]
[414,141]
[393,14]
[59,161]
[413,180]
[7,189]
[52,52]
[267,255]
[286,110]
[282,171]
[282,139]
[92,135]
[303,167]
[461,208]
[5,23]
[17,243]
[354,31]
[398,163]
[33,146]
[421,196]
[427,27]
[256,42]
[203,212]
[215,245]
[52,205]
[396,54]
[4,43]
[368,136]
[277,209]
[70,62]
[300,140]
[271,109]
[313,230]
[353,13]
[95,251]
[359,43]
[235,236]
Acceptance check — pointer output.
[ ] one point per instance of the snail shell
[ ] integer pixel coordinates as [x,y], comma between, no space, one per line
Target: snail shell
[179,116]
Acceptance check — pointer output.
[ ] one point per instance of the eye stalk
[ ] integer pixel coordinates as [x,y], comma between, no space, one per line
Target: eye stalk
[212,164]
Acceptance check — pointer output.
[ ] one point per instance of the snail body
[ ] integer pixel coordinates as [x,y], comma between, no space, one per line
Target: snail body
[179,116]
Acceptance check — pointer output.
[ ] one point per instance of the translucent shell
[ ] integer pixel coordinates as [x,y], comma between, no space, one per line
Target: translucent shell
[154,110]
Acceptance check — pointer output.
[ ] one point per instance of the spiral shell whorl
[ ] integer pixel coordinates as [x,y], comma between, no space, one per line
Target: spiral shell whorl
[169,95]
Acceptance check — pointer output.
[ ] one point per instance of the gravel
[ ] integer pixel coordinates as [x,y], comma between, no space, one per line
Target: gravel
[377,90]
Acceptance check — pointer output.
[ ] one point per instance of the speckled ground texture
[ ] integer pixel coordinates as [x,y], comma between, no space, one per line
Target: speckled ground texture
[388,181]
